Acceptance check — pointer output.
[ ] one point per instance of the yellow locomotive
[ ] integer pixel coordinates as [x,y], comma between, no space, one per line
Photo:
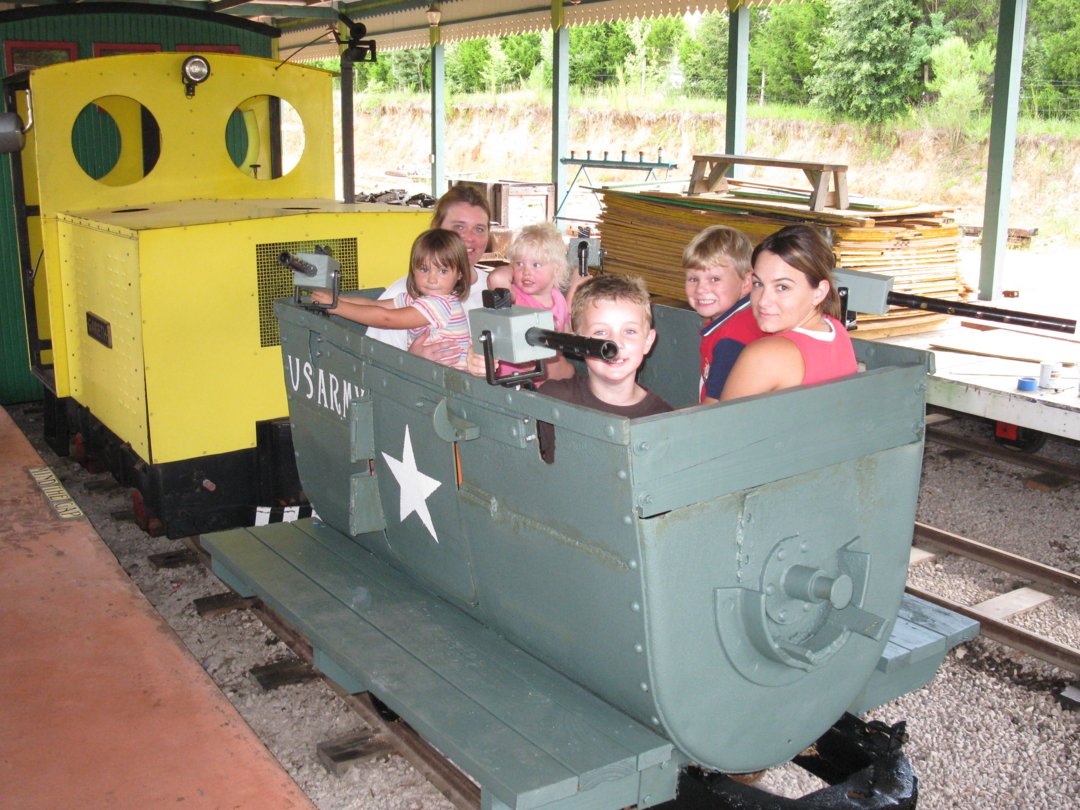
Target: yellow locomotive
[160,190]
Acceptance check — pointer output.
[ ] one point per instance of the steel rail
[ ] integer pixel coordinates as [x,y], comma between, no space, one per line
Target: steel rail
[1041,647]
[1003,560]
[988,448]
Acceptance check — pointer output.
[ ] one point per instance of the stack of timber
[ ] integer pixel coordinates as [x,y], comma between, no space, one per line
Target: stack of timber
[644,233]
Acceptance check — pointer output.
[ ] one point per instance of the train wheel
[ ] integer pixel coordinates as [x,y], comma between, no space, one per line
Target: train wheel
[1019,438]
[143,517]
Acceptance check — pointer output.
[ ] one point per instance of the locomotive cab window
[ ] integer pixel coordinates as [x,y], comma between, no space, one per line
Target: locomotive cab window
[265,137]
[116,140]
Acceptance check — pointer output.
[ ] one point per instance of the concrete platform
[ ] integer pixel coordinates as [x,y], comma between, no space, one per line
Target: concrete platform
[100,703]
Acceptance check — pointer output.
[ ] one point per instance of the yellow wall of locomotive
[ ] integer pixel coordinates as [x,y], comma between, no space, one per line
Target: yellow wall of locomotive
[100,270]
[187,375]
[194,162]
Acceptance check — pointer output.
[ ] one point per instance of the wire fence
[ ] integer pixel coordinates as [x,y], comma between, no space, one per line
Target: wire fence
[1050,99]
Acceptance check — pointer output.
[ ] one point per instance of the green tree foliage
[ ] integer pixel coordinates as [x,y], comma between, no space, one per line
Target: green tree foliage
[864,69]
[661,45]
[397,70]
[925,37]
[960,77]
[497,72]
[597,52]
[1052,59]
[783,42]
[703,57]
[523,53]
[466,62]
[974,21]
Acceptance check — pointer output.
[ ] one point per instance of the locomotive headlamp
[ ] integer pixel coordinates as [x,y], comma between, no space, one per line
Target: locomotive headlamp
[195,71]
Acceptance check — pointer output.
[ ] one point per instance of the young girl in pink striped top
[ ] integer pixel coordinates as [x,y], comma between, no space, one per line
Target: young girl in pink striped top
[438,282]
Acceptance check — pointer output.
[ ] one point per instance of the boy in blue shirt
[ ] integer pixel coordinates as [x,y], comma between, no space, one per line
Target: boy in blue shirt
[717,265]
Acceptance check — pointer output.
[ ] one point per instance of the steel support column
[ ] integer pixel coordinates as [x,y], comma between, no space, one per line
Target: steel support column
[560,105]
[738,72]
[438,115]
[1010,56]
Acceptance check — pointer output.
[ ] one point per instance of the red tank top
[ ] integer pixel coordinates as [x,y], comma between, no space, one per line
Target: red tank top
[825,358]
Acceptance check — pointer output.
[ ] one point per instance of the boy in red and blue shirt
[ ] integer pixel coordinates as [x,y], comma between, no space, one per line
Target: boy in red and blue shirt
[717,265]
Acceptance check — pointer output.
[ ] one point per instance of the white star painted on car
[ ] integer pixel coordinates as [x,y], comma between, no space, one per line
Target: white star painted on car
[415,486]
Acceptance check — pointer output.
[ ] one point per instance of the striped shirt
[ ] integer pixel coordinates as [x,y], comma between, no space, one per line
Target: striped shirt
[446,321]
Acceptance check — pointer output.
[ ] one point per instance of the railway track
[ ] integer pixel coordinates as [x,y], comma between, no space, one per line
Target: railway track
[984,447]
[992,615]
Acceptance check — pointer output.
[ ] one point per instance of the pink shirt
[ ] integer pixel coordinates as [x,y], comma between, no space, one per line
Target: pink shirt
[560,312]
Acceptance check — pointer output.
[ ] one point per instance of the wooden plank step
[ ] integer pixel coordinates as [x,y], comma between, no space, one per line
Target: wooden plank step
[630,733]
[922,634]
[1012,603]
[525,733]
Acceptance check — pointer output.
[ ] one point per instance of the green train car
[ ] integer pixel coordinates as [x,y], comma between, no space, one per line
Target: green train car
[725,579]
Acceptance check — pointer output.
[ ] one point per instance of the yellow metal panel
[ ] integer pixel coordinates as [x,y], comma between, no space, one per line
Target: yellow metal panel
[194,161]
[127,113]
[54,303]
[208,378]
[41,296]
[100,269]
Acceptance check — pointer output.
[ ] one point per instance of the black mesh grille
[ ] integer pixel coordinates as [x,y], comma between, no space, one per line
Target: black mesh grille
[275,281]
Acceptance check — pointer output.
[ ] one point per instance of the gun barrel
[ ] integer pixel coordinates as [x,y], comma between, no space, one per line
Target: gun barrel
[299,265]
[982,312]
[572,344]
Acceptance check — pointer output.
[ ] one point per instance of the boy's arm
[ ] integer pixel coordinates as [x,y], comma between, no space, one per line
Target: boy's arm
[724,355]
[576,281]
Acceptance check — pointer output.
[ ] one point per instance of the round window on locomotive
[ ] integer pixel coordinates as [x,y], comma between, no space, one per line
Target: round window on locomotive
[265,137]
[116,140]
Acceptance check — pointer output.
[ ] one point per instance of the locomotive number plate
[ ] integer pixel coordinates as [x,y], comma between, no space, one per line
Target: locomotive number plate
[99,329]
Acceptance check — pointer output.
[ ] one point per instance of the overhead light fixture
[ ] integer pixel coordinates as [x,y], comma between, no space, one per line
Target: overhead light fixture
[434,15]
[195,71]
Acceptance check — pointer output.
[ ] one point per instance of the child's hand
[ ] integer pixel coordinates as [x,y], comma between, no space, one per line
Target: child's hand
[475,363]
[576,281]
[321,297]
[500,277]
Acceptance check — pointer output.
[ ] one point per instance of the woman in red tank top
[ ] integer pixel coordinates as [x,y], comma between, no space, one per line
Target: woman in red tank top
[795,303]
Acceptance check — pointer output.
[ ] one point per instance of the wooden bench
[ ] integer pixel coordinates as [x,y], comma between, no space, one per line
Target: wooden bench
[710,172]
[525,733]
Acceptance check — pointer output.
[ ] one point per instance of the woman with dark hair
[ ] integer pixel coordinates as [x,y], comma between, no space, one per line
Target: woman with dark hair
[796,305]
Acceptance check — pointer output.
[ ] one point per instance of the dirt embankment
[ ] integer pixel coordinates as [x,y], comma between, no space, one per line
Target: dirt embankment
[504,142]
